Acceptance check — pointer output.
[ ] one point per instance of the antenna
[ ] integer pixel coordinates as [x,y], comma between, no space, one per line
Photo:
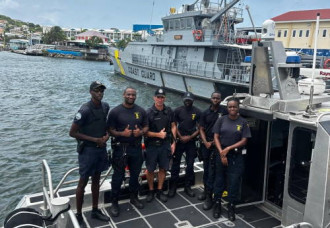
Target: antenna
[254,28]
[310,110]
[152,12]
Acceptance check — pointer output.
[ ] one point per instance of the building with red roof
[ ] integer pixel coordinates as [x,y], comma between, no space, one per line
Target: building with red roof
[89,34]
[296,29]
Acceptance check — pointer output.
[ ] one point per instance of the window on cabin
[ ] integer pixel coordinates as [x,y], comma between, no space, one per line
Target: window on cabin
[183,23]
[171,24]
[307,33]
[165,23]
[208,55]
[177,24]
[324,34]
[189,23]
[285,33]
[294,33]
[303,142]
[279,33]
[222,55]
[300,33]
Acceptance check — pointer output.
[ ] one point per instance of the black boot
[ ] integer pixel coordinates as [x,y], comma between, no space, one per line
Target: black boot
[202,196]
[172,191]
[98,214]
[208,203]
[81,221]
[231,212]
[150,195]
[114,209]
[217,209]
[161,196]
[189,191]
[135,201]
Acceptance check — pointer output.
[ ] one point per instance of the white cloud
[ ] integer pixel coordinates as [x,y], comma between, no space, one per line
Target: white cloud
[50,18]
[8,4]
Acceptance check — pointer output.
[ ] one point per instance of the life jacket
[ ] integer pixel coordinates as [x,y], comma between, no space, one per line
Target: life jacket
[97,125]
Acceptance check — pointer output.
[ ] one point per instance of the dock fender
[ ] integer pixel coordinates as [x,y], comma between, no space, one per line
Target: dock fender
[326,64]
[117,58]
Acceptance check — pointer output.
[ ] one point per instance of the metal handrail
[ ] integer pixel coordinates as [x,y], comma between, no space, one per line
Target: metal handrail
[216,71]
[47,198]
[62,182]
[63,179]
[73,219]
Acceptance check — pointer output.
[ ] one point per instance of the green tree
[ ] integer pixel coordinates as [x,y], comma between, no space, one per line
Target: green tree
[121,44]
[94,41]
[55,34]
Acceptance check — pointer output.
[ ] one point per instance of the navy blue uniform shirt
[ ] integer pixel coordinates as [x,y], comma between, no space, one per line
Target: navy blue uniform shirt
[187,119]
[208,119]
[231,131]
[120,117]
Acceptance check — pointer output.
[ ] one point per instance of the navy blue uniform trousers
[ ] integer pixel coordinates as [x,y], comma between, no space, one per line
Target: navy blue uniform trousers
[190,149]
[230,174]
[134,162]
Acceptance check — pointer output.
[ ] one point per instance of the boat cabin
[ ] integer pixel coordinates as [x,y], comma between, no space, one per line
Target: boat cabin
[287,163]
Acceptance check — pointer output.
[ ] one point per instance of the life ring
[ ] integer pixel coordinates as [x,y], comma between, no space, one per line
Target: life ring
[198,34]
[326,64]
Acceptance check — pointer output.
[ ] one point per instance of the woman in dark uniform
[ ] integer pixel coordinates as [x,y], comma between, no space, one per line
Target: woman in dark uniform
[230,136]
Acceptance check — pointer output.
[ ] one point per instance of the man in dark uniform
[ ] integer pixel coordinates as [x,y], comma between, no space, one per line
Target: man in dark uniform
[127,123]
[160,143]
[186,117]
[89,128]
[208,149]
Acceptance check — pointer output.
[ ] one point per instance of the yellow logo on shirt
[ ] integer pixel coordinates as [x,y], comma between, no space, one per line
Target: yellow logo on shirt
[137,115]
[238,127]
[193,116]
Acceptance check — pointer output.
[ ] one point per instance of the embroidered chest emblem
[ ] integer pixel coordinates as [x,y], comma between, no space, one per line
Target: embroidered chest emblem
[137,115]
[193,116]
[238,127]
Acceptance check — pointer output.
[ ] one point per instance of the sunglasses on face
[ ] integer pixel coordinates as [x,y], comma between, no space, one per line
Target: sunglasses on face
[98,90]
[215,98]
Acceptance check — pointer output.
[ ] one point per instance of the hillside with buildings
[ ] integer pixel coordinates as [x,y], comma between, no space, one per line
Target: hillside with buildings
[34,34]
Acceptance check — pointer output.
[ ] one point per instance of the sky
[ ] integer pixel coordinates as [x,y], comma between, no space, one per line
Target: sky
[122,14]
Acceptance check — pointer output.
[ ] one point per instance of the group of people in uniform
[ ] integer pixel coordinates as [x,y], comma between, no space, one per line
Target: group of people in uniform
[167,135]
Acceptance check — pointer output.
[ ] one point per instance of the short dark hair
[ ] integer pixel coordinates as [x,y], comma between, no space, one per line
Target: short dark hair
[128,87]
[215,92]
[233,99]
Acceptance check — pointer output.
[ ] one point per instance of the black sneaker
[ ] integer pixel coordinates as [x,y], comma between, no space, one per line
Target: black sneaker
[97,214]
[189,192]
[114,209]
[135,201]
[150,196]
[202,196]
[171,193]
[161,196]
[231,212]
[81,221]
[217,210]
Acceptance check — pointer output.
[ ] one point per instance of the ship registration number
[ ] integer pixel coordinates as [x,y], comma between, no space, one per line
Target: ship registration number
[143,73]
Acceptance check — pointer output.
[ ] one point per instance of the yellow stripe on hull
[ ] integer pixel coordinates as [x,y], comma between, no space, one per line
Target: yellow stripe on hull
[119,63]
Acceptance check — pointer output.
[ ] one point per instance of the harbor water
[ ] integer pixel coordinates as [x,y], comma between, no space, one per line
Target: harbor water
[39,97]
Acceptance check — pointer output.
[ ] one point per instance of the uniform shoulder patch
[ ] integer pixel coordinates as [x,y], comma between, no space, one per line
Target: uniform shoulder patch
[78,116]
